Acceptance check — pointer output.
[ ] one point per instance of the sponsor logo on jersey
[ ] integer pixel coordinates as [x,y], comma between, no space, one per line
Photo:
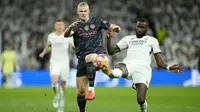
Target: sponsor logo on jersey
[92,26]
[89,34]
[137,42]
[86,28]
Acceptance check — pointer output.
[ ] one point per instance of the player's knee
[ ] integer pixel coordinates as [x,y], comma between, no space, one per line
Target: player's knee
[81,92]
[123,68]
[63,84]
[140,100]
[54,82]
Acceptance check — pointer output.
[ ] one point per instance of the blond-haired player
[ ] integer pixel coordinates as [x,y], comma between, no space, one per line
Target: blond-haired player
[88,40]
[59,62]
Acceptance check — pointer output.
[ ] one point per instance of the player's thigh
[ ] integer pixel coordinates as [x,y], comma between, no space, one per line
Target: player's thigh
[64,72]
[54,72]
[142,74]
[81,84]
[81,68]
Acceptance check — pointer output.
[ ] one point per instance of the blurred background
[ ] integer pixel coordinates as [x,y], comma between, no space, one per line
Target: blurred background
[175,23]
[25,24]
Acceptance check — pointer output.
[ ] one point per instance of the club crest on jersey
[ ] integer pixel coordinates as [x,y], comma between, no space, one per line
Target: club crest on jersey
[92,26]
[86,28]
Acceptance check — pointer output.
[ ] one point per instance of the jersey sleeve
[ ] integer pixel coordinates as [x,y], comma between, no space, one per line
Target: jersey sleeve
[123,43]
[155,46]
[104,24]
[49,40]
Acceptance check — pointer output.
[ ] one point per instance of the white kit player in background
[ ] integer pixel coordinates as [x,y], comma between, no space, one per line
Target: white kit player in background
[59,62]
[136,65]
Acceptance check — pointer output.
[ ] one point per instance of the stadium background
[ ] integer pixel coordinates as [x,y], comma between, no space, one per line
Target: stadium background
[175,23]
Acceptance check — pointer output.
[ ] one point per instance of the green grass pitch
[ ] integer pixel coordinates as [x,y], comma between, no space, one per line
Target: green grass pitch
[119,99]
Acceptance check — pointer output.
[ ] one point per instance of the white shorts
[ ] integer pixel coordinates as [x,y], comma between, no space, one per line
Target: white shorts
[139,74]
[60,69]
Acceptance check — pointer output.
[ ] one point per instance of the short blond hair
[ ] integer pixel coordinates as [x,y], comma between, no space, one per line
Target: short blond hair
[82,4]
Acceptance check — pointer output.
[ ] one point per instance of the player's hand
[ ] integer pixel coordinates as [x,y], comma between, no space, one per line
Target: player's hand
[41,55]
[176,68]
[117,29]
[109,33]
[74,24]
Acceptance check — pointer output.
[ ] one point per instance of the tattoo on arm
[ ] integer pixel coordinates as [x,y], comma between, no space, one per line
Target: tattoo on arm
[67,32]
[160,61]
[112,49]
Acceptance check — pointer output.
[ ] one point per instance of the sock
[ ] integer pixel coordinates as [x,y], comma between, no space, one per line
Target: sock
[143,107]
[55,89]
[81,103]
[91,72]
[4,80]
[9,80]
[62,96]
[117,72]
[91,89]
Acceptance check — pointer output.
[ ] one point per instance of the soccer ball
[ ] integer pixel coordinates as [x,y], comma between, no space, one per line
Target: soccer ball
[100,60]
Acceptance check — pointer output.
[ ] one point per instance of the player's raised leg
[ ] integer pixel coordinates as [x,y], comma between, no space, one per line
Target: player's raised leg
[120,70]
[141,96]
[54,79]
[81,83]
[91,72]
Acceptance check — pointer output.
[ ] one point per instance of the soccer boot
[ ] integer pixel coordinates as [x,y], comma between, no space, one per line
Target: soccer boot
[90,95]
[55,101]
[61,109]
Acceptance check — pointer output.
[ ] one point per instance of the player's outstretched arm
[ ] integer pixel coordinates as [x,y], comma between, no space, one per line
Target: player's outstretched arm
[46,50]
[112,49]
[174,68]
[68,32]
[115,28]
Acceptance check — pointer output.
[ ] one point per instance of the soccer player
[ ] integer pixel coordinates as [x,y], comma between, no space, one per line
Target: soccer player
[136,65]
[9,64]
[59,62]
[88,41]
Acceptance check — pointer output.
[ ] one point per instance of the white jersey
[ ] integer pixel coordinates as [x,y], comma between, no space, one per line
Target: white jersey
[59,48]
[139,49]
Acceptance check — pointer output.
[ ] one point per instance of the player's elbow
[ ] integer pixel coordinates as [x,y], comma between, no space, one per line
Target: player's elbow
[66,35]
[110,53]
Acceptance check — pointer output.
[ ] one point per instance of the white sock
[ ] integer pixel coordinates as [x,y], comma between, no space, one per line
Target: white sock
[55,89]
[117,72]
[62,96]
[143,108]
[91,89]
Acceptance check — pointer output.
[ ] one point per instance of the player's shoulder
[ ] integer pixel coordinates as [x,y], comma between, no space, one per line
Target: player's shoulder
[51,34]
[148,37]
[4,52]
[129,36]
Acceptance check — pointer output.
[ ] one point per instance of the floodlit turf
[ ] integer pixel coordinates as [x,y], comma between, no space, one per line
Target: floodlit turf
[160,99]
